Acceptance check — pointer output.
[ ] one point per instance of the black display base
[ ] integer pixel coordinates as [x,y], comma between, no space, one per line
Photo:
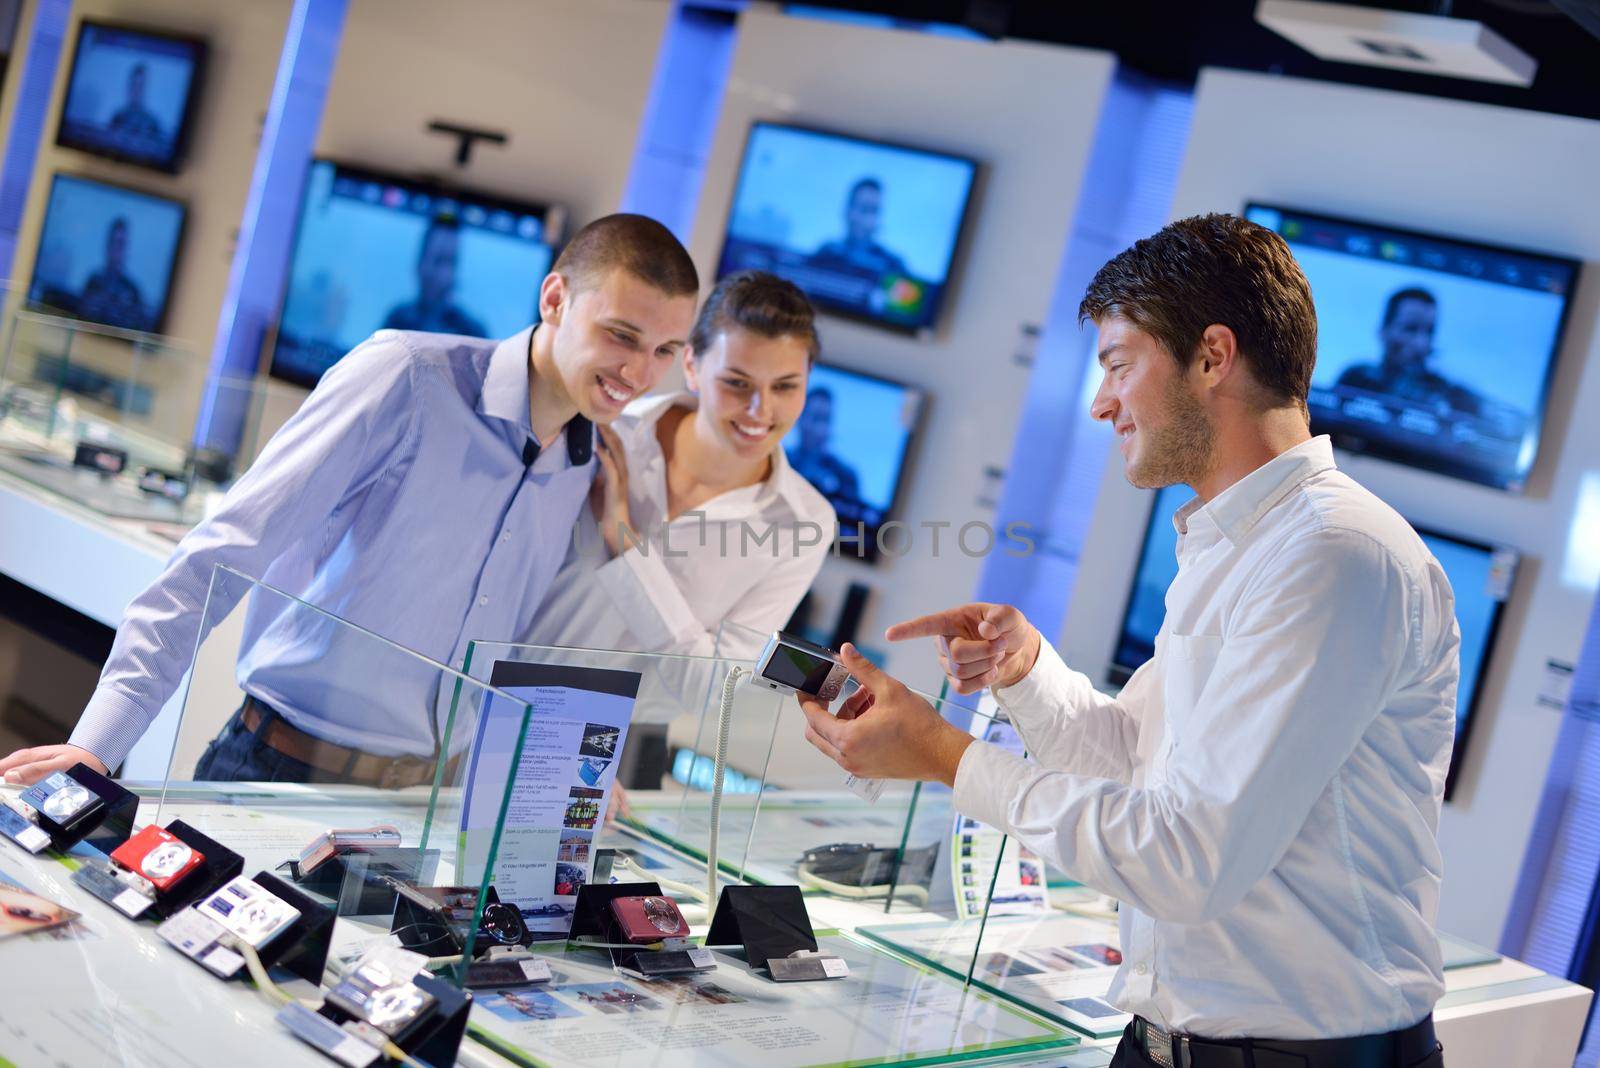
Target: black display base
[220,865]
[107,828]
[436,1040]
[592,918]
[303,947]
[369,870]
[651,963]
[768,921]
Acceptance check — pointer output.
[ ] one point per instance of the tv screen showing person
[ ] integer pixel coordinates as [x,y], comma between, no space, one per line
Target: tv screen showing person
[106,254]
[866,229]
[130,95]
[1431,352]
[376,251]
[850,442]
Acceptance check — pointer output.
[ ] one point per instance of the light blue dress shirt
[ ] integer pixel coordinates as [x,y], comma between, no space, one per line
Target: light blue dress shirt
[396,498]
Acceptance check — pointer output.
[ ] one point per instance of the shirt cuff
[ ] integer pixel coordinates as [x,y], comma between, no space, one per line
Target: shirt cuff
[1040,685]
[648,598]
[110,726]
[987,780]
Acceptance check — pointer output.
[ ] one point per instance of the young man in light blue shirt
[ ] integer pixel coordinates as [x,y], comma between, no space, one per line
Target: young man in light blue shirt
[426,491]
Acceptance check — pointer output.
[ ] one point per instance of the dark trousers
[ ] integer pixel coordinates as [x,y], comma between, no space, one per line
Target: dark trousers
[1130,1056]
[237,755]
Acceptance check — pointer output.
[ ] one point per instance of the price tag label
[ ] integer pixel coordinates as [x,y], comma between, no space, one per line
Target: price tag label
[869,790]
[536,971]
[702,958]
[16,827]
[835,967]
[131,903]
[225,962]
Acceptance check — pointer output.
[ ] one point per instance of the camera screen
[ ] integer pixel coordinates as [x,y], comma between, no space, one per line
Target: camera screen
[799,669]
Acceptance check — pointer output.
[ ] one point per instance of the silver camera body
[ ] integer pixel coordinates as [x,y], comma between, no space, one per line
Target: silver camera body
[793,665]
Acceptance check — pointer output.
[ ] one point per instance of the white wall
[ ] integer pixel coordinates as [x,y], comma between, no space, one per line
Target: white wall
[1029,113]
[1499,175]
[566,79]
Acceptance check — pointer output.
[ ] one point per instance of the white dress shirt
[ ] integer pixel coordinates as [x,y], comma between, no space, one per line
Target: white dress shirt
[744,558]
[1263,795]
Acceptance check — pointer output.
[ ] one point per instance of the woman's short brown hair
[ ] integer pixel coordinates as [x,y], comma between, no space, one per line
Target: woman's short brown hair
[1216,269]
[760,302]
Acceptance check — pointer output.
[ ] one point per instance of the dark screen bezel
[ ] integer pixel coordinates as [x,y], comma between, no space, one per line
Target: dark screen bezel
[181,140]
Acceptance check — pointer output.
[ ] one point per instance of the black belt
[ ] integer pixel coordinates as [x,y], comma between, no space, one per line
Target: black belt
[1397,1049]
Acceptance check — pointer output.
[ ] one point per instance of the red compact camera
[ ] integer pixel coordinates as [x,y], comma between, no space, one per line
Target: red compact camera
[159,856]
[649,919]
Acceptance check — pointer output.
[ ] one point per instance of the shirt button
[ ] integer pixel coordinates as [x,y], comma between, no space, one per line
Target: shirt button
[505,535]
[482,601]
[1143,969]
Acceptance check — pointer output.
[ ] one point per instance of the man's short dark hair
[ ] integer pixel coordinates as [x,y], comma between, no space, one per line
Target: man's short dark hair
[634,243]
[763,304]
[1400,296]
[439,224]
[1216,269]
[868,182]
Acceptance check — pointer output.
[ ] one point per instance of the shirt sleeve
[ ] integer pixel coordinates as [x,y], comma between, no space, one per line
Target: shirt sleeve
[1069,725]
[344,434]
[659,614]
[1316,647]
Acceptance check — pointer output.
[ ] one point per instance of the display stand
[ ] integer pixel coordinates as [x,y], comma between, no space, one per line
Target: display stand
[219,865]
[437,1039]
[358,881]
[593,919]
[768,921]
[113,825]
[303,947]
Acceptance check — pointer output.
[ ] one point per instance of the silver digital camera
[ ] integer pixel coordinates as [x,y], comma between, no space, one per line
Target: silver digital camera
[794,665]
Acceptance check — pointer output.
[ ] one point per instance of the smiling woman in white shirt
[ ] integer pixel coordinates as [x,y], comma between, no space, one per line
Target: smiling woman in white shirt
[697,520]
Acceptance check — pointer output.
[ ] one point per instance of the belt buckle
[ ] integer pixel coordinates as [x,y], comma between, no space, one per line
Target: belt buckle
[405,771]
[1158,1045]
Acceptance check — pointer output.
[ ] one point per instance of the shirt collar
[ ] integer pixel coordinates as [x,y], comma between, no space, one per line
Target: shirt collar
[505,397]
[505,383]
[783,483]
[1237,509]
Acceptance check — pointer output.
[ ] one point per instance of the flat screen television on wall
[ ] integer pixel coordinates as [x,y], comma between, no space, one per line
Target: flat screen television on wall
[1431,351]
[868,229]
[106,254]
[1481,576]
[851,442]
[131,94]
[376,251]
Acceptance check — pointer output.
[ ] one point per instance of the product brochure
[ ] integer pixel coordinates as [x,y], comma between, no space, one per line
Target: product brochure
[562,783]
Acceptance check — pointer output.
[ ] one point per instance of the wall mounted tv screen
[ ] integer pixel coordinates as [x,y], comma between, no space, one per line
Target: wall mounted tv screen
[869,230]
[851,443]
[1431,352]
[106,254]
[131,94]
[376,251]
[1481,576]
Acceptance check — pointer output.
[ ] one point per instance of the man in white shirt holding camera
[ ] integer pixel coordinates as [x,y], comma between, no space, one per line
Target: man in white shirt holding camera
[1263,796]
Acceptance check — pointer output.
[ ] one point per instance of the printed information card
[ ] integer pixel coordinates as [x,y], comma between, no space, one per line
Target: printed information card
[560,785]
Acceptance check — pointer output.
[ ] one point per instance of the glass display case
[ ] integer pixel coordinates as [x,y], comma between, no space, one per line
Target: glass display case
[501,797]
[447,819]
[107,418]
